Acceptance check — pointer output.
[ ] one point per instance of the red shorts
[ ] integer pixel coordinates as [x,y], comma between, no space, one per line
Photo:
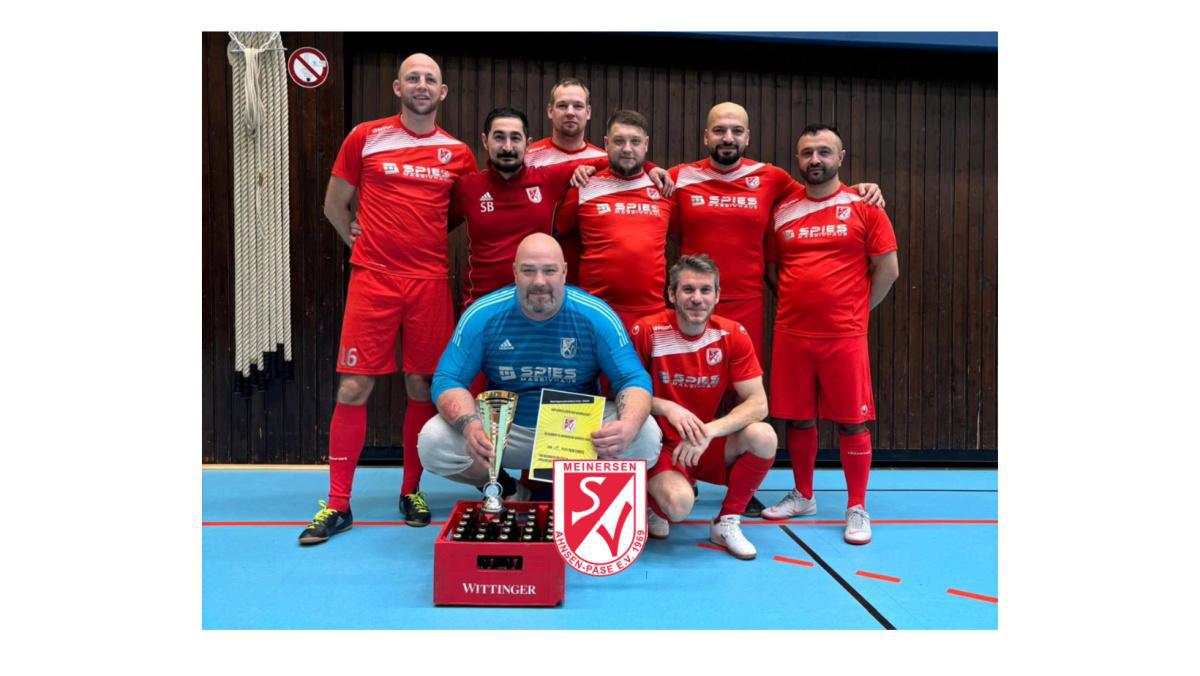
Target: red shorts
[629,317]
[749,312]
[827,378]
[380,307]
[711,467]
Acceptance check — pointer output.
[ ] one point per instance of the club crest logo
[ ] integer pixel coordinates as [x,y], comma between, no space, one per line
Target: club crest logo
[535,194]
[444,155]
[599,514]
[569,348]
[713,356]
[568,424]
[652,194]
[752,182]
[843,213]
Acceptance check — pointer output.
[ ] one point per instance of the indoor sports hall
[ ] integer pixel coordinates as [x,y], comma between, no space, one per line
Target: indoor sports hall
[917,113]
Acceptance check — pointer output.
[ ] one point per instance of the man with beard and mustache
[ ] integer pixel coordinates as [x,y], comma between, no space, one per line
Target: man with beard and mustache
[694,356]
[832,259]
[535,334]
[401,170]
[569,110]
[622,220]
[724,204]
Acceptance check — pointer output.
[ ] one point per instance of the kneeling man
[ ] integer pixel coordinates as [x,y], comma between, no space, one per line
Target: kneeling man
[536,334]
[693,356]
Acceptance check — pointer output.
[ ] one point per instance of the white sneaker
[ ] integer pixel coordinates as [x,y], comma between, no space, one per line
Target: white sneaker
[858,526]
[659,527]
[792,504]
[728,533]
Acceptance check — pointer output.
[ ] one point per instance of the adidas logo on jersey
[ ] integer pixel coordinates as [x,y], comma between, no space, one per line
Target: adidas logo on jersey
[506,345]
[487,197]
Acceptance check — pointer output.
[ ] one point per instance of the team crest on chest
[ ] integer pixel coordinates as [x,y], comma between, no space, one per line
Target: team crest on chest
[569,348]
[535,194]
[652,193]
[843,212]
[752,182]
[714,356]
[444,155]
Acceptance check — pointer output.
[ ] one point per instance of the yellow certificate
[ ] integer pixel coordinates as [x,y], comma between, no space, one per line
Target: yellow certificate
[564,429]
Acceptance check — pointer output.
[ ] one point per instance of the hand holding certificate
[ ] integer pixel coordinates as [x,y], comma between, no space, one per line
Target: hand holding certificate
[566,421]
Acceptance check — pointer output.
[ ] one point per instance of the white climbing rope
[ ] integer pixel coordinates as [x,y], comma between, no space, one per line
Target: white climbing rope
[261,214]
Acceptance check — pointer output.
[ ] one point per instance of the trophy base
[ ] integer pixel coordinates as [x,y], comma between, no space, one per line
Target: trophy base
[493,506]
[495,573]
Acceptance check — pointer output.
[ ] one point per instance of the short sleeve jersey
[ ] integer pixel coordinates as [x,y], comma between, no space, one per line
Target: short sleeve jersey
[823,248]
[693,371]
[566,352]
[403,181]
[500,213]
[623,224]
[544,153]
[725,215]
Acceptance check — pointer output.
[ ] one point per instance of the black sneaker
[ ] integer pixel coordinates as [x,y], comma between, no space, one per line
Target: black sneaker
[754,508]
[326,524]
[416,512]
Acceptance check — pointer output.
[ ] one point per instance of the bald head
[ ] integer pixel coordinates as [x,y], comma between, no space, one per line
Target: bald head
[726,134]
[729,110]
[540,275]
[420,88]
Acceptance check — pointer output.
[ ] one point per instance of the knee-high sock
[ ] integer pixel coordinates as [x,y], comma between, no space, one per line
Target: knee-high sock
[802,448]
[856,464]
[416,414]
[745,476]
[347,431]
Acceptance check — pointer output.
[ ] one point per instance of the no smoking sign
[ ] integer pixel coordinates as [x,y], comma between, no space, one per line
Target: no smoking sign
[308,67]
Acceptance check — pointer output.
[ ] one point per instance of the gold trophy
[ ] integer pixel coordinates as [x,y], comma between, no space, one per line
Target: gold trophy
[496,411]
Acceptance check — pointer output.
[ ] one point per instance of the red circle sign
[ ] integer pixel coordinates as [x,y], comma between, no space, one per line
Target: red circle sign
[308,67]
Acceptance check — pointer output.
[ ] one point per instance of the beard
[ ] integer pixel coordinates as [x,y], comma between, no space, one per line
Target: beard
[716,156]
[621,171]
[419,107]
[825,175]
[540,305]
[507,161]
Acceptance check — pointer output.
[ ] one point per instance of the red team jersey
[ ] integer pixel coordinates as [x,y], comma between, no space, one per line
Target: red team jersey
[693,371]
[544,153]
[500,213]
[725,215]
[403,181]
[822,248]
[623,224]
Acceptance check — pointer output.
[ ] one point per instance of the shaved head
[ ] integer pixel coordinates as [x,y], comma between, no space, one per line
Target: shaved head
[420,60]
[728,109]
[540,275]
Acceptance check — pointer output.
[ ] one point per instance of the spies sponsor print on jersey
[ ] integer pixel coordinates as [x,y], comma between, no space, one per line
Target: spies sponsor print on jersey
[599,514]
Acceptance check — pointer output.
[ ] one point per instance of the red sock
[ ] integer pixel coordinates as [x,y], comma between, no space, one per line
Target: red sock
[745,476]
[856,464]
[416,414]
[802,448]
[347,431]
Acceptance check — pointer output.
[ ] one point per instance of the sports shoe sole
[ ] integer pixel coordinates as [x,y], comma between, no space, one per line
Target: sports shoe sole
[316,541]
[731,553]
[416,524]
[856,542]
[808,512]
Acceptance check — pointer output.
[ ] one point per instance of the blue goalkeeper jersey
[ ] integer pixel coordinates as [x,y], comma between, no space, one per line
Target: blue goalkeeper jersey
[566,352]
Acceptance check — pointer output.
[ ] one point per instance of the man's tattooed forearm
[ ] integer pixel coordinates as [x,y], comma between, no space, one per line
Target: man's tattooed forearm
[461,423]
[621,404]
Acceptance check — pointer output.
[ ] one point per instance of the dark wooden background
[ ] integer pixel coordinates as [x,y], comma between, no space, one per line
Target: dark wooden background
[920,123]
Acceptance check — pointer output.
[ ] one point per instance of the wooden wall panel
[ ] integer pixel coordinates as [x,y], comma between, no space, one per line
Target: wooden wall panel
[921,124]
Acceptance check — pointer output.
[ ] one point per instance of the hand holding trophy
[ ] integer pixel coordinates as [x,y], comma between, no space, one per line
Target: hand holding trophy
[496,411]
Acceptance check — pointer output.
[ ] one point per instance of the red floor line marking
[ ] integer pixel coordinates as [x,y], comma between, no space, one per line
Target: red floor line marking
[877,576]
[305,523]
[705,545]
[798,562]
[977,597]
[839,522]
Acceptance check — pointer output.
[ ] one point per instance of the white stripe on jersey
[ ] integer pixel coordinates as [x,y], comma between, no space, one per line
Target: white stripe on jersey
[599,187]
[604,311]
[692,175]
[552,155]
[505,297]
[396,138]
[664,343]
[801,208]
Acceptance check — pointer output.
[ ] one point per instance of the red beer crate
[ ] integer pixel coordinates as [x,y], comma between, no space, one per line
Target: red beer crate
[470,573]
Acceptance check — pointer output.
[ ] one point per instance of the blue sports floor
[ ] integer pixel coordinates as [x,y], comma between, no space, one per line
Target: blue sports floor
[931,563]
